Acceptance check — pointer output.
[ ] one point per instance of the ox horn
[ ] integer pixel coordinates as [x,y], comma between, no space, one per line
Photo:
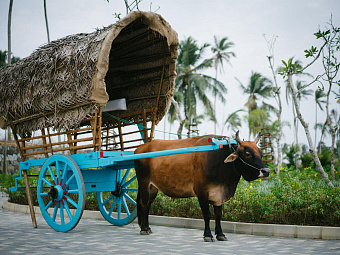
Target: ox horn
[257,138]
[238,138]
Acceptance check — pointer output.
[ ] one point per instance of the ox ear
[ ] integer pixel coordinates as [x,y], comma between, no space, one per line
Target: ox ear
[232,157]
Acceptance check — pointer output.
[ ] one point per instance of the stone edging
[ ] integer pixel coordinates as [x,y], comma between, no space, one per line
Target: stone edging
[276,230]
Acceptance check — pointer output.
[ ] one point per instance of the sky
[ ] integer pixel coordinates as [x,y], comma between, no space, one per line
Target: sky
[244,22]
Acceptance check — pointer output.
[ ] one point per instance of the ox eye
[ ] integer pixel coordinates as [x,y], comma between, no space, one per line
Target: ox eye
[248,154]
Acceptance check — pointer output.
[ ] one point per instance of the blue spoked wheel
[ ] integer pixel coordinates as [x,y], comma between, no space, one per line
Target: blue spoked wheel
[119,206]
[61,193]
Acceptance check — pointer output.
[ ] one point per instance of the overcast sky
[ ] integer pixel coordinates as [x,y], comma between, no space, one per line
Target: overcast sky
[243,22]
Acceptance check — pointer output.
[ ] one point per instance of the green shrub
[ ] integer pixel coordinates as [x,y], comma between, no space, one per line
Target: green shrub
[295,197]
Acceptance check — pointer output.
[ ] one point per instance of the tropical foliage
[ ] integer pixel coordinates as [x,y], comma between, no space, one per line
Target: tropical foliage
[259,87]
[293,197]
[3,58]
[192,84]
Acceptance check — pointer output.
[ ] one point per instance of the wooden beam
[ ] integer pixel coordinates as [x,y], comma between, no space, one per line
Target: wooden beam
[45,143]
[120,136]
[39,115]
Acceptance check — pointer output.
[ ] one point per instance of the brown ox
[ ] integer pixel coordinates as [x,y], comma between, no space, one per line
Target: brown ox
[211,176]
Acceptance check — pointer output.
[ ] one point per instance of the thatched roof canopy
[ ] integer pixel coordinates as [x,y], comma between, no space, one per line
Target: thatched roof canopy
[62,82]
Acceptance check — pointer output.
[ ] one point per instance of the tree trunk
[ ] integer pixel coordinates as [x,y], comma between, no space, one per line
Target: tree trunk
[338,145]
[46,21]
[333,131]
[9,51]
[179,116]
[4,165]
[215,122]
[296,142]
[333,156]
[316,121]
[279,113]
[9,55]
[278,138]
[305,126]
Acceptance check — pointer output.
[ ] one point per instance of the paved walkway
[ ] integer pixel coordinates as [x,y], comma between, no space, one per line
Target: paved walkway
[17,236]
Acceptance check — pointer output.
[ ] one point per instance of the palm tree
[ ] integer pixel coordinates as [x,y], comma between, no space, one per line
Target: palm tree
[258,87]
[221,54]
[257,119]
[233,121]
[318,95]
[193,84]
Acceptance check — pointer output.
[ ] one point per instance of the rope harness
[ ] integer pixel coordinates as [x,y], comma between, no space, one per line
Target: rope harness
[228,139]
[246,162]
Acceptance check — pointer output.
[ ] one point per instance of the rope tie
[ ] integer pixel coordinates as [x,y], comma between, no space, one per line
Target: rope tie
[132,123]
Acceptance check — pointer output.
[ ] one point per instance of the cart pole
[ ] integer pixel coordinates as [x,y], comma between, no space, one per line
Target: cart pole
[29,198]
[27,184]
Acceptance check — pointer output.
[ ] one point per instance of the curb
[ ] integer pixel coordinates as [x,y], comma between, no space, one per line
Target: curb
[275,230]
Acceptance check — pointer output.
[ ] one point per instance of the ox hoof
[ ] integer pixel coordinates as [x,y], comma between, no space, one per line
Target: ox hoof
[209,239]
[221,238]
[146,231]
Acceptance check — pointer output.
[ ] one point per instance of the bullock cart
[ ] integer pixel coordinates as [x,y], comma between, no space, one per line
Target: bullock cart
[104,92]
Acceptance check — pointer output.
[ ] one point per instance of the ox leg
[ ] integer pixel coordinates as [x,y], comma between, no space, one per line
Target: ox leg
[146,195]
[152,195]
[204,204]
[218,229]
[142,202]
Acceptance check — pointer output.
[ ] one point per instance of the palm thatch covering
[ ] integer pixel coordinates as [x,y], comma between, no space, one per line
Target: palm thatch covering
[63,82]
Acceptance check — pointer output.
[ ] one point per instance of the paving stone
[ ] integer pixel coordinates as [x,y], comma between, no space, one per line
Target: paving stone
[17,236]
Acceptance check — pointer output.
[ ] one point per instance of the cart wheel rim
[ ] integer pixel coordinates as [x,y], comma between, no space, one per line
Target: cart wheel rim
[119,206]
[61,193]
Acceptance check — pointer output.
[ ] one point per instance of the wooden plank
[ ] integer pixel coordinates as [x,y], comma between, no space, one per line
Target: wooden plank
[136,140]
[44,143]
[31,147]
[39,115]
[17,143]
[99,132]
[35,146]
[49,138]
[32,138]
[79,147]
[56,134]
[129,141]
[153,124]
[70,143]
[120,136]
[75,135]
[29,198]
[145,131]
[94,129]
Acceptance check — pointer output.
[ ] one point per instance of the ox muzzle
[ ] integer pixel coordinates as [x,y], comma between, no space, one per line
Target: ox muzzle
[264,172]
